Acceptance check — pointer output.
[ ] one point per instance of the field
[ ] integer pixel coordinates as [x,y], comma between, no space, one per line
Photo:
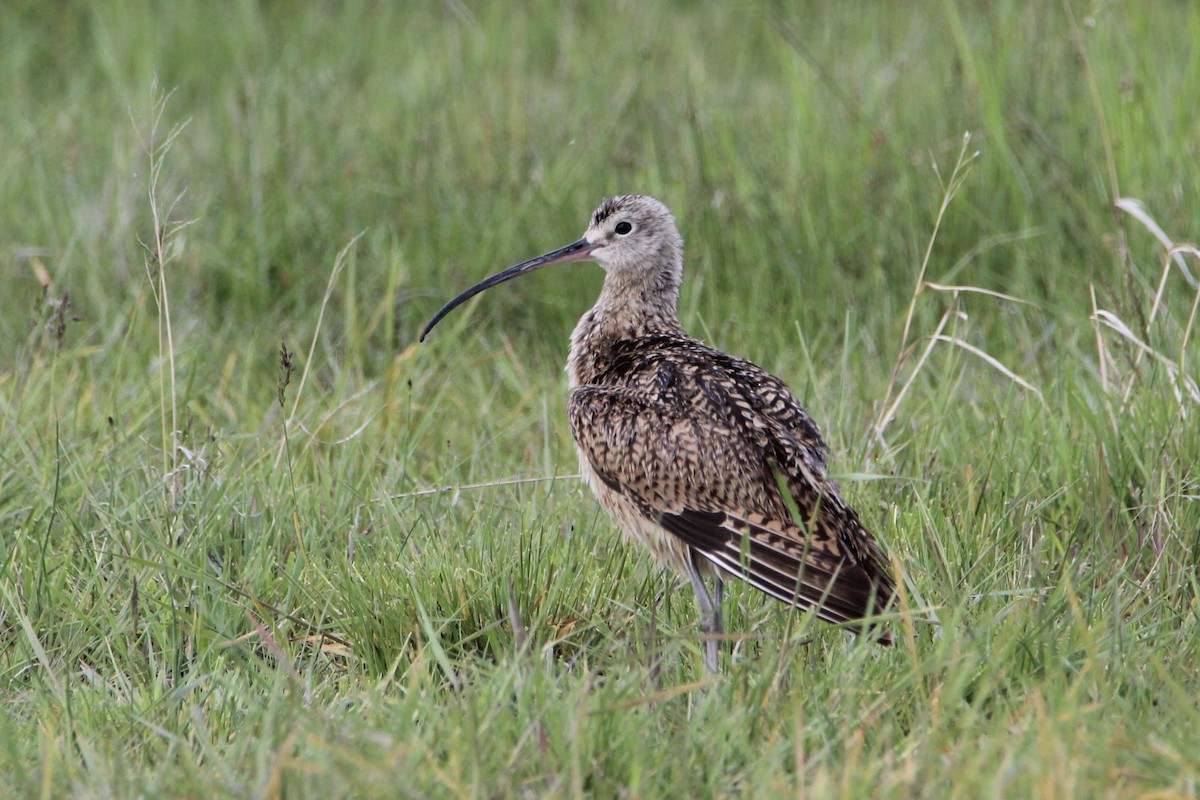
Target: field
[259,542]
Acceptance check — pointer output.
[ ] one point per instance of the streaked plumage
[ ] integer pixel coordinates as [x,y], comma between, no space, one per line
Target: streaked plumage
[689,448]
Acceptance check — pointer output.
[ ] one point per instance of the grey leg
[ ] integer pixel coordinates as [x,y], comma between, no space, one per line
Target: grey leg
[710,614]
[719,599]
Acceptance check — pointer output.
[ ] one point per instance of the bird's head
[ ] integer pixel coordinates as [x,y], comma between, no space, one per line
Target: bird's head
[635,239]
[634,233]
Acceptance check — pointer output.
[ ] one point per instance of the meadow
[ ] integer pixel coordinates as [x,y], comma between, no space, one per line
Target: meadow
[259,542]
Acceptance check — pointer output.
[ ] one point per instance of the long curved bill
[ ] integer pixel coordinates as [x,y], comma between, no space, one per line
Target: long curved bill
[578,251]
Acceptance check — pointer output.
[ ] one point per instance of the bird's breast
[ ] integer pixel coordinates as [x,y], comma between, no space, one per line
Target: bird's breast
[666,549]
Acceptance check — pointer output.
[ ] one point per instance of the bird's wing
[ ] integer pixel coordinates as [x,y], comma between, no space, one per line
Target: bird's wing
[770,556]
[713,479]
[768,397]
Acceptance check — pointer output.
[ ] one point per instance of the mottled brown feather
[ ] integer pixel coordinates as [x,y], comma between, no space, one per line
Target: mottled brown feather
[697,443]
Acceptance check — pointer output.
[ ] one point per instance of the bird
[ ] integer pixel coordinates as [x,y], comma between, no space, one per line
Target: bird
[704,458]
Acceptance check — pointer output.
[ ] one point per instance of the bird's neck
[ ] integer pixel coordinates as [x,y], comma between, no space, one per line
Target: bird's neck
[626,310]
[630,299]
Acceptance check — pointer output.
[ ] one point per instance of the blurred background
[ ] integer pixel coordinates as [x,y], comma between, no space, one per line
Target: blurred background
[799,145]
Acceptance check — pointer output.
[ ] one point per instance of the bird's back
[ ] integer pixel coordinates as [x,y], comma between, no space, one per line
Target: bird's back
[720,455]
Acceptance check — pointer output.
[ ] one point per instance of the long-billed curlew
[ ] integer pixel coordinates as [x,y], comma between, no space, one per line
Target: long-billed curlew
[703,457]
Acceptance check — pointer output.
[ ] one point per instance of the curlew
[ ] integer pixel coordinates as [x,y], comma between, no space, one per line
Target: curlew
[702,457]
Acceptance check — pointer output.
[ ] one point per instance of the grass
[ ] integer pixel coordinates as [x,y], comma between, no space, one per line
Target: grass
[373,574]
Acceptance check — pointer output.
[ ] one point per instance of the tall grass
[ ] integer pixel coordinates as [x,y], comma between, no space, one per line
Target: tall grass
[379,576]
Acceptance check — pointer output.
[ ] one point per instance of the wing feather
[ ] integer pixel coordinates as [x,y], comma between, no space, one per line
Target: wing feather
[697,448]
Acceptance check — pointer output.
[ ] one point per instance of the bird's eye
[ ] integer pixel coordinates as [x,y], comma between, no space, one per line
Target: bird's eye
[623,228]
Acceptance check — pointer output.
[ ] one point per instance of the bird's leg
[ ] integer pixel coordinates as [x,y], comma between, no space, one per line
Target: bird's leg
[719,600]
[710,613]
